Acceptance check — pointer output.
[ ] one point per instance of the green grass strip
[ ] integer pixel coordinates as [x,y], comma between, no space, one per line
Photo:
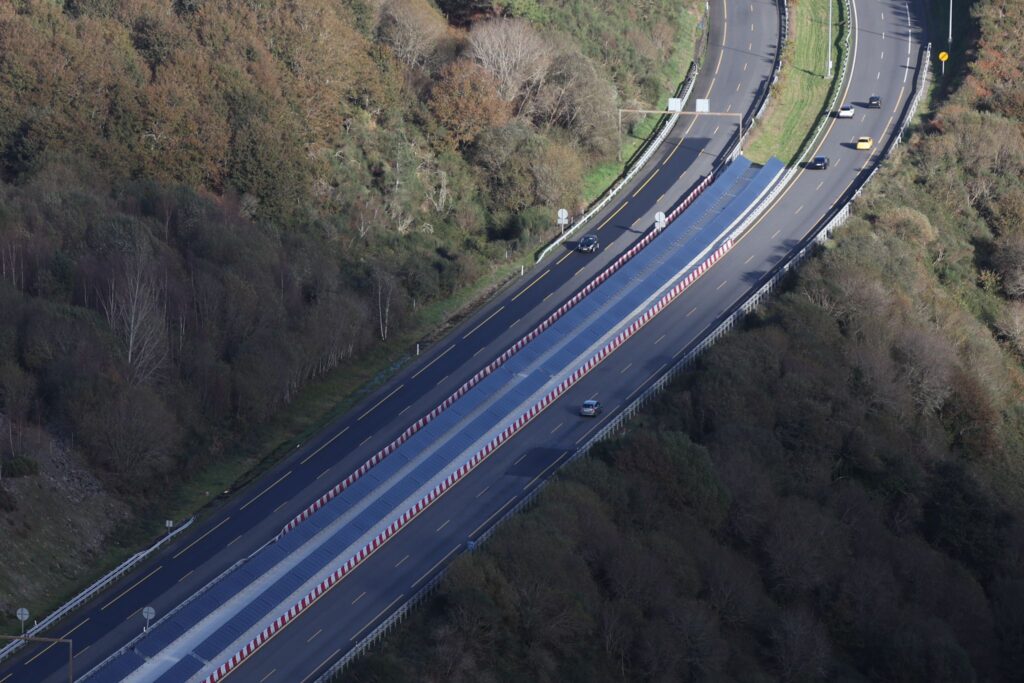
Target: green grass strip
[603,176]
[800,96]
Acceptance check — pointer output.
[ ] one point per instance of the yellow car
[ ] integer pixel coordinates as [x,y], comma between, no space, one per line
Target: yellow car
[865,143]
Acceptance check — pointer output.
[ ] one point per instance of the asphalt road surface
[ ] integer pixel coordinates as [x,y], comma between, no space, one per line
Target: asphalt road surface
[884,58]
[740,55]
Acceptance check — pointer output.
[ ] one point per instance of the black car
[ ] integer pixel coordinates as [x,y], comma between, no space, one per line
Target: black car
[588,244]
[874,102]
[820,163]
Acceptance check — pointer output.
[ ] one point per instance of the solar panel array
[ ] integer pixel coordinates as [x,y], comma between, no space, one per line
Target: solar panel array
[373,499]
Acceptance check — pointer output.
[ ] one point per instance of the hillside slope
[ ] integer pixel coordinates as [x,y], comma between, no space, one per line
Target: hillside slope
[208,207]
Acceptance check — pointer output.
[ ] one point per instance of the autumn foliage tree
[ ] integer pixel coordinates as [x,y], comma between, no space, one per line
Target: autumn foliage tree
[465,100]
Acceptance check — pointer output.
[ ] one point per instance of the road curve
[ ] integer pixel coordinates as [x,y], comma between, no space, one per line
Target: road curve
[741,52]
[885,46]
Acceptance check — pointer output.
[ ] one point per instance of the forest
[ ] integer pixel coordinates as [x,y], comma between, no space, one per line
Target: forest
[835,492]
[207,207]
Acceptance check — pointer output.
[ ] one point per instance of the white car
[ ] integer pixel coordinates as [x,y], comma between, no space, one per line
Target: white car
[590,408]
[845,112]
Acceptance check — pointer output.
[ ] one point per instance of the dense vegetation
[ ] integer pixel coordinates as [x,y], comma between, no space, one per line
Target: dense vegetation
[206,205]
[836,493]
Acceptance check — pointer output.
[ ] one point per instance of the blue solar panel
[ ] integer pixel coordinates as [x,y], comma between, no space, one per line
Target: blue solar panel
[159,638]
[181,671]
[118,668]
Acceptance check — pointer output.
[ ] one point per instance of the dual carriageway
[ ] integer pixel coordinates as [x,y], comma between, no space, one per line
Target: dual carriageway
[884,47]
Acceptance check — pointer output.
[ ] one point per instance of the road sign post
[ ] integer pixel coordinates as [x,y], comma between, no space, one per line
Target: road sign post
[702,107]
[22,615]
[148,613]
[660,220]
[563,219]
[943,56]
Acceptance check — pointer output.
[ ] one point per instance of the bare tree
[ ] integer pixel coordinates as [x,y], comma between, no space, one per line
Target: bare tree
[801,647]
[366,215]
[17,389]
[134,311]
[577,98]
[12,264]
[927,363]
[132,432]
[1009,263]
[384,288]
[1010,324]
[414,30]
[513,51]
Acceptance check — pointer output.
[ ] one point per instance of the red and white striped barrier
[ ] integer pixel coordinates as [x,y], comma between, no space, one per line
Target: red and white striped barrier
[380,539]
[495,364]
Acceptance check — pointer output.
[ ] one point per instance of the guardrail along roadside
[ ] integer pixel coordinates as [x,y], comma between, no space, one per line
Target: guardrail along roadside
[821,233]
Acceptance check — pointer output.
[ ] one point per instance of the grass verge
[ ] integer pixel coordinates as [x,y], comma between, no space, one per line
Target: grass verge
[801,93]
[603,176]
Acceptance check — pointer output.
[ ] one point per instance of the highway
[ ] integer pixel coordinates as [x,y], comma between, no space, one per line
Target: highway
[885,47]
[439,533]
[741,50]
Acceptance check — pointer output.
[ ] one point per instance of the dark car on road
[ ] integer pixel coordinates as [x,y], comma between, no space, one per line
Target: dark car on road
[874,102]
[588,244]
[820,163]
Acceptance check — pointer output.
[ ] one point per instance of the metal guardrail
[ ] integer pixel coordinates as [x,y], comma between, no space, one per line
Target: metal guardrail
[652,144]
[609,195]
[924,61]
[823,233]
[724,157]
[777,65]
[181,605]
[93,590]
[812,139]
[686,90]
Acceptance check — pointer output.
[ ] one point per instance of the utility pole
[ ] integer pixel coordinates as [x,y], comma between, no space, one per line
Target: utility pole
[949,38]
[828,47]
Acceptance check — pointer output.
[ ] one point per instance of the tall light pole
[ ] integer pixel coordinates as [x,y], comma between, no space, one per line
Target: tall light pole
[828,46]
[949,38]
